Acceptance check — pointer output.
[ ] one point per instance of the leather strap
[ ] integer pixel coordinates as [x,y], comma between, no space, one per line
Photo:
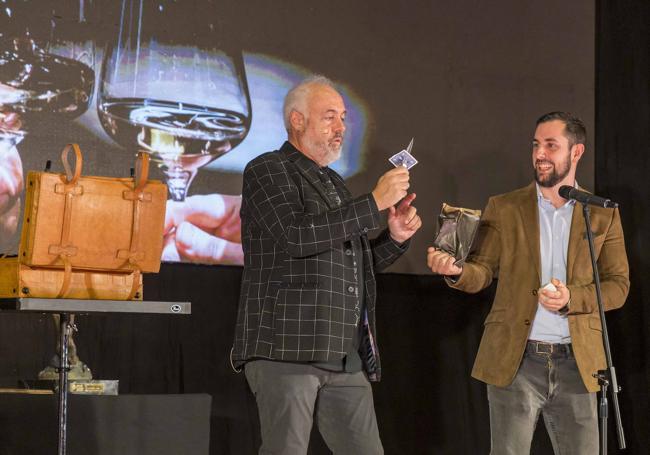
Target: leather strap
[141,170]
[132,254]
[138,196]
[70,189]
[72,178]
[140,180]
[67,278]
[135,285]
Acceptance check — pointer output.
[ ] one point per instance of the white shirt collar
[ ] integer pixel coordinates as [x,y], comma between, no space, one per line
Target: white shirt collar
[540,196]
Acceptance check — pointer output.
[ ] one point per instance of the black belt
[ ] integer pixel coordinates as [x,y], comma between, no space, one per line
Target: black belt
[553,350]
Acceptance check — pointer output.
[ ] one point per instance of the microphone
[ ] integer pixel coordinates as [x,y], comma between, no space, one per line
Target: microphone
[570,192]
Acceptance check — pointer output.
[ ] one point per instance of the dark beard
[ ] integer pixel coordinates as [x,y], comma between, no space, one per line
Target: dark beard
[554,177]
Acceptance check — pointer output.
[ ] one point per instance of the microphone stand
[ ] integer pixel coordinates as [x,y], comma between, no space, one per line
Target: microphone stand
[605,377]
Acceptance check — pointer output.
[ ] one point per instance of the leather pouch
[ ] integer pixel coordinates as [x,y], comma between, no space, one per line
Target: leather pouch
[456,230]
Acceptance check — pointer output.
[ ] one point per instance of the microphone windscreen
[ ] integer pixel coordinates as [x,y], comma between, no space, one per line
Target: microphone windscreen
[565,191]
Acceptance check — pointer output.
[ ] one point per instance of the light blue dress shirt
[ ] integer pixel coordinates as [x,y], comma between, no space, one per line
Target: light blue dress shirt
[554,230]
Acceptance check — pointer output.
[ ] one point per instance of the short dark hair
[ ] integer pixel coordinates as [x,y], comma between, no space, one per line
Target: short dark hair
[574,128]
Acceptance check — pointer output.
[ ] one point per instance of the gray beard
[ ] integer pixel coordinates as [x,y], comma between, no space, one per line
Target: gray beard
[326,154]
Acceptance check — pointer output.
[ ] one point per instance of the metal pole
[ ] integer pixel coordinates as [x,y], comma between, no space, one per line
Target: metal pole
[64,324]
[608,376]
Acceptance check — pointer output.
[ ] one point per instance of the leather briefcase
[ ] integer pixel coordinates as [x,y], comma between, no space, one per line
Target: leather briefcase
[74,223]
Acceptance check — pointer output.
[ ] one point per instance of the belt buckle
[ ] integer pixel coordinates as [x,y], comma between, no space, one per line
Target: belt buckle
[541,343]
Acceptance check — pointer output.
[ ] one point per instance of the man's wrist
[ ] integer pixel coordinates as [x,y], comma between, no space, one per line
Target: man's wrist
[397,240]
[565,309]
[453,279]
[375,199]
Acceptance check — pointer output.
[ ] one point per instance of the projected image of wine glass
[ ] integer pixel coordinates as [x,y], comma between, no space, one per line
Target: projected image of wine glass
[184,102]
[46,75]
[45,67]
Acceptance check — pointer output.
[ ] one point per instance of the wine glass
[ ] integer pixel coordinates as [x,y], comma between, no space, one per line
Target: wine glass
[169,86]
[46,61]
[46,64]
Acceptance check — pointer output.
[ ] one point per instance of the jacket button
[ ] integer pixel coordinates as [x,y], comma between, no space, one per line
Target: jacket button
[348,252]
[350,288]
[527,322]
[534,291]
[365,229]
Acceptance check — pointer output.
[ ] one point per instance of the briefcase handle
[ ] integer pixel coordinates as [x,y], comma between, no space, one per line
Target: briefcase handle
[72,178]
[141,171]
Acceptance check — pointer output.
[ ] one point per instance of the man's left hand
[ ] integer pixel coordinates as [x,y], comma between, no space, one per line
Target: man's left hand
[554,300]
[403,220]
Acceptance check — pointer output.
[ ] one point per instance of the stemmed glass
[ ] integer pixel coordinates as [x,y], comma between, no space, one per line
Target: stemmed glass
[46,61]
[45,65]
[170,87]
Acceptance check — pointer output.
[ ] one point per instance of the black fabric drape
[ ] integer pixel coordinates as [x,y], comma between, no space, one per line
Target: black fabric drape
[622,172]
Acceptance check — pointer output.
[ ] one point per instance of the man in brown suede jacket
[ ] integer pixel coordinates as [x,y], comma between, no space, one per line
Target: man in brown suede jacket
[542,342]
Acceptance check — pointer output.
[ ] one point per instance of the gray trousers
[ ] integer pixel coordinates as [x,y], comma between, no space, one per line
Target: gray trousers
[550,385]
[288,397]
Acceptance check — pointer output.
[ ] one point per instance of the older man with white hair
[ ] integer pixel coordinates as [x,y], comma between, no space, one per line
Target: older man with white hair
[305,329]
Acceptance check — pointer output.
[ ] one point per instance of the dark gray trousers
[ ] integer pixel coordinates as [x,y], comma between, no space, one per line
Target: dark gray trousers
[550,385]
[288,397]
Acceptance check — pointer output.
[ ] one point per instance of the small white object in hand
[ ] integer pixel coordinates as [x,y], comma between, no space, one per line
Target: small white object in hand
[550,287]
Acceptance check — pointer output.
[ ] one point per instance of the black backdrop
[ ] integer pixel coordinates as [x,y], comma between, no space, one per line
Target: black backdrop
[426,402]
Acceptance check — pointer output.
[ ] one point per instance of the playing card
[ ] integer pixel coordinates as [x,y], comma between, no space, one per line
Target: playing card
[403,158]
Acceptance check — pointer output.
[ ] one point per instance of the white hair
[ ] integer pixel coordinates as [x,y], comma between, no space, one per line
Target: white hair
[296,99]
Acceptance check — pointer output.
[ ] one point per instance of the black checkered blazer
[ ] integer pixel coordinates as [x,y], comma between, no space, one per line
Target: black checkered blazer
[299,294]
